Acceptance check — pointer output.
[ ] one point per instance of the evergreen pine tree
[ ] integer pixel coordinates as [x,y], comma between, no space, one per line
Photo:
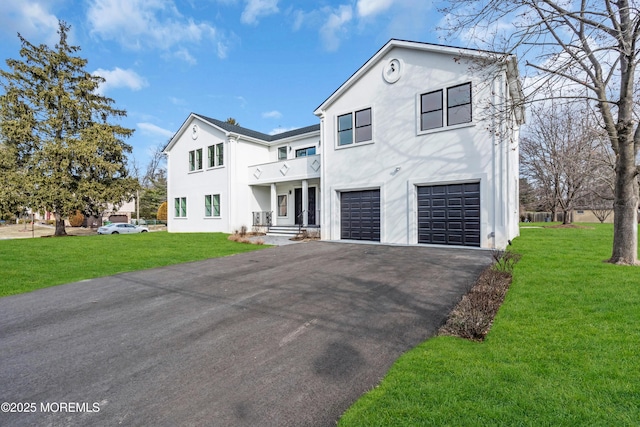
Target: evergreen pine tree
[63,151]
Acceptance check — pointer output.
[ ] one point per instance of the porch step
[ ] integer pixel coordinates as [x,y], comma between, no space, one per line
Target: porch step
[283,230]
[290,230]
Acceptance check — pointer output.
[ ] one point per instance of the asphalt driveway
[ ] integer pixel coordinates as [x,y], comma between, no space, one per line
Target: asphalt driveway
[286,336]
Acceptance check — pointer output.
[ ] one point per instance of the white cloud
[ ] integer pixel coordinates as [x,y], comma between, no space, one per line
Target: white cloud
[367,8]
[143,24]
[223,50]
[258,8]
[151,129]
[118,77]
[384,19]
[242,101]
[272,114]
[32,20]
[334,27]
[281,130]
[177,101]
[184,55]
[298,19]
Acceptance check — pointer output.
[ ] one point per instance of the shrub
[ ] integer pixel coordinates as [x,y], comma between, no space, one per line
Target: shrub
[162,212]
[76,219]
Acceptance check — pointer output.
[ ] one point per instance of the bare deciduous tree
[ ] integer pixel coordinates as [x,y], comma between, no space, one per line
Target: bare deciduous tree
[590,45]
[559,155]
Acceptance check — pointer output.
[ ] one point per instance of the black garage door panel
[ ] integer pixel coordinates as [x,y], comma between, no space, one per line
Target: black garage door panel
[360,215]
[449,214]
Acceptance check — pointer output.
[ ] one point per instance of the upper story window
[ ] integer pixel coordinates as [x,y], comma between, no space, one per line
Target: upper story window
[282,153]
[304,152]
[180,205]
[195,160]
[431,110]
[458,102]
[360,121]
[215,155]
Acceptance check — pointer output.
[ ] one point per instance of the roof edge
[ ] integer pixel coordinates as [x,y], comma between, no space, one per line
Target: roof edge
[393,43]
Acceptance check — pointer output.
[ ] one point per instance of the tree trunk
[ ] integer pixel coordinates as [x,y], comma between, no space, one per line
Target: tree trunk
[60,229]
[625,209]
[566,217]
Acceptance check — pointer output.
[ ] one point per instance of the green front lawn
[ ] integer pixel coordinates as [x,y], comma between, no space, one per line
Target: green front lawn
[564,349]
[30,264]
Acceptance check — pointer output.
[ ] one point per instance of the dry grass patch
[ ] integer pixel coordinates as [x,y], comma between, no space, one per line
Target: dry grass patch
[242,236]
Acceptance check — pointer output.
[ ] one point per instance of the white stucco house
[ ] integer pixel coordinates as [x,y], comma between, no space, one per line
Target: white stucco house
[418,146]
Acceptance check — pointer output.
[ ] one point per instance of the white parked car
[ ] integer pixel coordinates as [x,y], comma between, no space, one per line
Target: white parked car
[121,228]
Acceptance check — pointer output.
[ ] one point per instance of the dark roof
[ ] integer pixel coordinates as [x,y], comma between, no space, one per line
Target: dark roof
[255,134]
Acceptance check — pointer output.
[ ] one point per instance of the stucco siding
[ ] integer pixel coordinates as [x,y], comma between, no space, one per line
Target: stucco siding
[400,156]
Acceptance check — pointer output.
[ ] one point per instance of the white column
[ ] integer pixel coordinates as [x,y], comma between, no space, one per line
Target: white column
[305,202]
[274,205]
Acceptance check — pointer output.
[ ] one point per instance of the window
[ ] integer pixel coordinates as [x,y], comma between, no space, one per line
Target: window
[459,104]
[282,205]
[212,205]
[304,152]
[215,155]
[363,125]
[360,121]
[180,204]
[345,128]
[219,154]
[431,110]
[282,153]
[195,160]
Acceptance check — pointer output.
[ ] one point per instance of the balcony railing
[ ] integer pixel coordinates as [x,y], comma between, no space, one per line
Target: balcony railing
[285,170]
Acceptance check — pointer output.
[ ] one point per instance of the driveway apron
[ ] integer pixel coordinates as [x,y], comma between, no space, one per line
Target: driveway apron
[285,336]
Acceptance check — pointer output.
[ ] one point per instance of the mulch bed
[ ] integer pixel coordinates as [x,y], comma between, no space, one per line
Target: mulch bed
[473,316]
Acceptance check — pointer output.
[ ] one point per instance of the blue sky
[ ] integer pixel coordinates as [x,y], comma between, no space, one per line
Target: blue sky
[267,63]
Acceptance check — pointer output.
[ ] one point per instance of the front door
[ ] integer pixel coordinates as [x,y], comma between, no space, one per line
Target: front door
[311,209]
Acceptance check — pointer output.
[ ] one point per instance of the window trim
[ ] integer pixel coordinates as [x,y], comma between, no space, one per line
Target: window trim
[305,150]
[195,160]
[215,155]
[340,131]
[470,104]
[286,205]
[445,110]
[354,127]
[212,206]
[180,207]
[441,109]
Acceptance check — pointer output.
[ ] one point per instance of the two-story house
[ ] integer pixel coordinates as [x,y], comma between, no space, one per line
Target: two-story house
[419,146]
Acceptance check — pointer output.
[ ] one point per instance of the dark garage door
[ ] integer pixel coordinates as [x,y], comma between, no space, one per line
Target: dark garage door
[360,215]
[449,214]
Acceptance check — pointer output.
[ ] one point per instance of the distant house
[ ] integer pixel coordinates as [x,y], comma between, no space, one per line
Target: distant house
[414,148]
[123,213]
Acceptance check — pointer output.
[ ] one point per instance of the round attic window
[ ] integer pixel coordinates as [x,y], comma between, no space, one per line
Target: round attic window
[195,130]
[392,71]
